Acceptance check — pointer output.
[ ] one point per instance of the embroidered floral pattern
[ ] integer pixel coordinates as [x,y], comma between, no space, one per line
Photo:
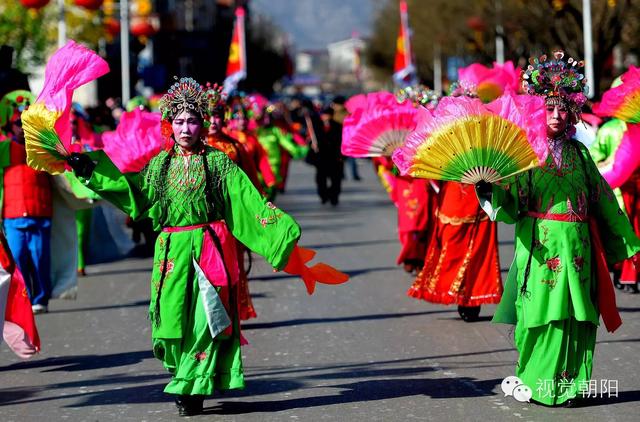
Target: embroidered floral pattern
[200,356]
[578,263]
[169,264]
[550,283]
[554,264]
[272,219]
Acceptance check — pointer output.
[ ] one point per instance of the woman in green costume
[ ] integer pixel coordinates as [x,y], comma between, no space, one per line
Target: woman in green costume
[557,286]
[273,139]
[200,200]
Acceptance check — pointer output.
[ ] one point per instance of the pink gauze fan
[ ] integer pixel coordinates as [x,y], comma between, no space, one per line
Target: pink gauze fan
[627,158]
[136,140]
[377,126]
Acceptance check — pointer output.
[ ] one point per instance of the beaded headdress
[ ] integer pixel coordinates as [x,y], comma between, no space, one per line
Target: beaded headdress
[558,80]
[13,104]
[418,95]
[184,95]
[463,88]
[216,101]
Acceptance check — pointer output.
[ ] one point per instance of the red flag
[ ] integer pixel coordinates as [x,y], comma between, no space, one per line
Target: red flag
[237,63]
[403,69]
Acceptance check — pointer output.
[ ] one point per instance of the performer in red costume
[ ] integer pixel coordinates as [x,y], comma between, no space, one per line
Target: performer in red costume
[461,264]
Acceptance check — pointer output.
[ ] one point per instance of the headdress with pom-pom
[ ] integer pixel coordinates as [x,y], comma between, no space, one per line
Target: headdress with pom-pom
[418,95]
[184,95]
[216,100]
[558,80]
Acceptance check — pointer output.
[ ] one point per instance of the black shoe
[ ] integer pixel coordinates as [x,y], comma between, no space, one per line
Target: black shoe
[631,288]
[469,313]
[189,405]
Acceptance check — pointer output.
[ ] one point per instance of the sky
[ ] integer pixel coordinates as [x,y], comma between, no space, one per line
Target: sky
[313,24]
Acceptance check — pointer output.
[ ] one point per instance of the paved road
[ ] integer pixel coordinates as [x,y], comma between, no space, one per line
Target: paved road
[363,351]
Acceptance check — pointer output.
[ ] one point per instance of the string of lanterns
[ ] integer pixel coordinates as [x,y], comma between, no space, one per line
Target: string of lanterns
[143,22]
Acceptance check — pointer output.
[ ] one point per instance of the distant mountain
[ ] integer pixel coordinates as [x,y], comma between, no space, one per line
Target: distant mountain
[313,24]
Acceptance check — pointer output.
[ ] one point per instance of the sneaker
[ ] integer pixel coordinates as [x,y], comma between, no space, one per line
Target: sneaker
[39,309]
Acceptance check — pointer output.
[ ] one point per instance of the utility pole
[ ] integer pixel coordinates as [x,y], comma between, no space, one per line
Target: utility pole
[62,25]
[124,51]
[499,33]
[437,69]
[587,35]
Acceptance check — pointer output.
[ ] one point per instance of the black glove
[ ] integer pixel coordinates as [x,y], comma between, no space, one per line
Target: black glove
[81,164]
[483,188]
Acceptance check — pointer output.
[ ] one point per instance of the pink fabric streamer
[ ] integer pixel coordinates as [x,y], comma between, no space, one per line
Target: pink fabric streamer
[212,263]
[626,159]
[69,68]
[136,140]
[18,340]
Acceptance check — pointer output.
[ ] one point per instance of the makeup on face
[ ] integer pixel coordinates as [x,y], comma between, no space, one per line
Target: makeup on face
[557,119]
[186,129]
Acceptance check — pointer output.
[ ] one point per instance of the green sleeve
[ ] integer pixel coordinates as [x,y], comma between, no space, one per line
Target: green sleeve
[5,154]
[122,190]
[607,140]
[5,160]
[619,239]
[286,141]
[258,224]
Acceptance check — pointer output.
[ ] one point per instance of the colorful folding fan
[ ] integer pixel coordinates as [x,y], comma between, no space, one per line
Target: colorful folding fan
[377,127]
[626,159]
[46,123]
[136,140]
[466,141]
[622,101]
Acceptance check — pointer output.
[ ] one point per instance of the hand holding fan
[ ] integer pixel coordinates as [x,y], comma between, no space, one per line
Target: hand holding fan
[136,140]
[466,141]
[46,123]
[378,127]
[622,101]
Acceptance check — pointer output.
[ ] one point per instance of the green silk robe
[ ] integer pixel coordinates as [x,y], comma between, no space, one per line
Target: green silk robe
[272,139]
[561,282]
[556,318]
[171,191]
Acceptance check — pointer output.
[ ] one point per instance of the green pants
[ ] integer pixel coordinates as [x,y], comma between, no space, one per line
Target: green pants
[83,224]
[198,363]
[556,359]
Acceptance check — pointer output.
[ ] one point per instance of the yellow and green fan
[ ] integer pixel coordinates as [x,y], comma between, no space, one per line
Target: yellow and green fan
[47,123]
[466,141]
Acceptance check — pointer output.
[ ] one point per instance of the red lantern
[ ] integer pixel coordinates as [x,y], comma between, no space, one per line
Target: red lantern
[89,4]
[476,23]
[112,26]
[34,4]
[142,27]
